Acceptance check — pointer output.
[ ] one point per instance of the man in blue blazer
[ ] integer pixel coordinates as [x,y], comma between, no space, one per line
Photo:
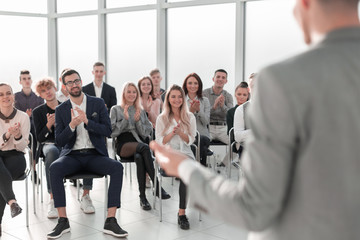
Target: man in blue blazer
[99,88]
[82,123]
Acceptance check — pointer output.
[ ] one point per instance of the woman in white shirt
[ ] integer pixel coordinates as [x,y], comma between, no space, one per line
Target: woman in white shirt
[14,130]
[241,126]
[176,127]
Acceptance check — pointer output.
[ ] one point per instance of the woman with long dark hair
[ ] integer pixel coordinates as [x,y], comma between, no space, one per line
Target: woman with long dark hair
[200,107]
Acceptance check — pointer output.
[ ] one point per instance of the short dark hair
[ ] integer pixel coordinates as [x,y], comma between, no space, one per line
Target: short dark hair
[24,72]
[197,77]
[221,70]
[98,64]
[68,73]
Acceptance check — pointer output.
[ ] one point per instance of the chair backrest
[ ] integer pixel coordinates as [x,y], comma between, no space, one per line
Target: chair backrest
[232,140]
[28,162]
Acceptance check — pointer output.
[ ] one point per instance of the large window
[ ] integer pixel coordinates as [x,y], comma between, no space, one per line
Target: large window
[127,3]
[272,34]
[201,39]
[30,6]
[78,45]
[76,5]
[23,45]
[131,47]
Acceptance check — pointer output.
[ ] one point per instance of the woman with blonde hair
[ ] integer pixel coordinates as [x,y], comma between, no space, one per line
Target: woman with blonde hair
[14,130]
[176,127]
[131,127]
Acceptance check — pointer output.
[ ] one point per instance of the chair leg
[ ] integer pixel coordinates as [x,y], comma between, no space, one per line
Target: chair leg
[160,196]
[33,187]
[156,176]
[200,219]
[42,180]
[106,196]
[78,189]
[27,202]
[37,179]
[130,172]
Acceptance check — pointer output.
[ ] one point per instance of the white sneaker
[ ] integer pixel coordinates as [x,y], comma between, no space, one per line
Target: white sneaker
[148,183]
[86,204]
[52,212]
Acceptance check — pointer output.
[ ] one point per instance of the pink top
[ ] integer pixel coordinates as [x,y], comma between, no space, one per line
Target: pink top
[153,111]
[13,144]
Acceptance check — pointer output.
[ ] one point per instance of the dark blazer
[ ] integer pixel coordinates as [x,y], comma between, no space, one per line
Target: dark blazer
[230,118]
[98,126]
[108,93]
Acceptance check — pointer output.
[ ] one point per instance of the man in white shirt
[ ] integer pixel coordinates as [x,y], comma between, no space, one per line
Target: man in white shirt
[99,88]
[301,165]
[82,123]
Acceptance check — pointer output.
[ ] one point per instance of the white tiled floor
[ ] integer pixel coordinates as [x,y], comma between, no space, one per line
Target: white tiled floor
[140,224]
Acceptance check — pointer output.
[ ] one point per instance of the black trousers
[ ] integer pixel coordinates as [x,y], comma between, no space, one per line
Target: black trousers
[12,166]
[144,164]
[204,146]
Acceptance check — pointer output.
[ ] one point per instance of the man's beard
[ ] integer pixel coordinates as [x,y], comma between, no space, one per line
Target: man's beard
[75,94]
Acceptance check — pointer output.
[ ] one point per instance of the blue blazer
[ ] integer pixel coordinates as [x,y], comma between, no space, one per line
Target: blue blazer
[98,126]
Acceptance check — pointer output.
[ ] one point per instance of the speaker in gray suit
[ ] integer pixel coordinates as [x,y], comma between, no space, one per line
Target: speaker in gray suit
[302,164]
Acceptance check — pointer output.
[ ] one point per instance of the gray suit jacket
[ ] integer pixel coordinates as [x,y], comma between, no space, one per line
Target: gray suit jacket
[302,165]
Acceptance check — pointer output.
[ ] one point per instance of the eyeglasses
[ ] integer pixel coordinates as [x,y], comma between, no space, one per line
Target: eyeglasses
[71,83]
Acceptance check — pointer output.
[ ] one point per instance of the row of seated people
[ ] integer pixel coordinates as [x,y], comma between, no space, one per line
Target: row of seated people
[212,106]
[44,118]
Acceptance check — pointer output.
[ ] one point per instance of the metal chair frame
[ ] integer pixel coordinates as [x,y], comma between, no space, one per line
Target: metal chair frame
[159,174]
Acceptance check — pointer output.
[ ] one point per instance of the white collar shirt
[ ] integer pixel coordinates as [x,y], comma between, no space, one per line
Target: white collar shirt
[98,90]
[82,136]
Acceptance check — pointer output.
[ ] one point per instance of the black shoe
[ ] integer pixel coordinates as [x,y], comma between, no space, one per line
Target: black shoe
[220,164]
[183,222]
[15,209]
[74,182]
[112,227]
[145,204]
[62,227]
[164,194]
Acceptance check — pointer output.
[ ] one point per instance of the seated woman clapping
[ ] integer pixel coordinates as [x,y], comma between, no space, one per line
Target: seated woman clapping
[176,127]
[14,130]
[131,127]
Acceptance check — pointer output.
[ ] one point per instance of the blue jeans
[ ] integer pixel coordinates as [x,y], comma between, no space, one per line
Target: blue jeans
[51,152]
[92,162]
